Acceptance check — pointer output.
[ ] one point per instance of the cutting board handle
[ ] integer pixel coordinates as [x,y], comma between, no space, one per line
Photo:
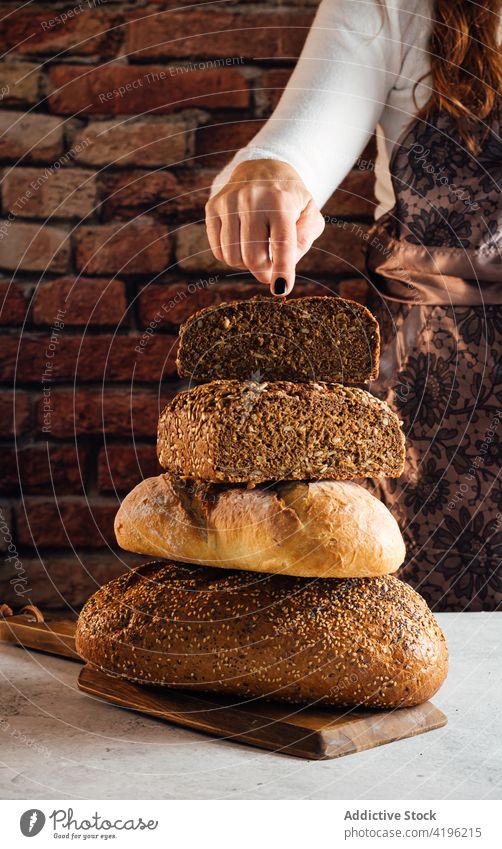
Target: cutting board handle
[30,628]
[28,609]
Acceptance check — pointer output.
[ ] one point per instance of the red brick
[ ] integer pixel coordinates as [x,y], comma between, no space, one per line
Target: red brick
[269,88]
[38,138]
[65,580]
[96,91]
[121,467]
[356,289]
[150,141]
[12,358]
[15,413]
[43,193]
[116,412]
[138,247]
[127,193]
[269,33]
[34,247]
[44,468]
[159,193]
[216,144]
[193,252]
[354,197]
[194,188]
[67,522]
[13,303]
[49,30]
[88,358]
[84,300]
[20,83]
[170,304]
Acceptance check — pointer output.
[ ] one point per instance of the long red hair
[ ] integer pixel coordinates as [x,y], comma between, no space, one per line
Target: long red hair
[466,64]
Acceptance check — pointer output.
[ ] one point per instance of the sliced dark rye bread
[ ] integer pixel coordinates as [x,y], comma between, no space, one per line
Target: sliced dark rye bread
[234,432]
[303,339]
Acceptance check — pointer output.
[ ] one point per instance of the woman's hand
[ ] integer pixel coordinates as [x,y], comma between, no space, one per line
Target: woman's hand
[264,220]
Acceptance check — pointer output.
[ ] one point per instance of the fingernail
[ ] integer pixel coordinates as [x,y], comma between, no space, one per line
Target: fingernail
[279,286]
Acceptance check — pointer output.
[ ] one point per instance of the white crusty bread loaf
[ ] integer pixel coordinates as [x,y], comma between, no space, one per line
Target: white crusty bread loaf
[320,529]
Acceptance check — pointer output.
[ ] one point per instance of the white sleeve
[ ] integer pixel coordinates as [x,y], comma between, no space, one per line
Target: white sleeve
[335,95]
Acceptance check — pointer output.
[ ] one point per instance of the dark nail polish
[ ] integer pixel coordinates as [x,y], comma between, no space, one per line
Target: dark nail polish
[280,286]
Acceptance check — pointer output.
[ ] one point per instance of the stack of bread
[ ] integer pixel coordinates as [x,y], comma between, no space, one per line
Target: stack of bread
[275,579]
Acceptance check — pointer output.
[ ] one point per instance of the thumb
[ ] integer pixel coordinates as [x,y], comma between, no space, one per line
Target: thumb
[308,228]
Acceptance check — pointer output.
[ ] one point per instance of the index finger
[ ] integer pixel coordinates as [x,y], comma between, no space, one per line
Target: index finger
[283,249]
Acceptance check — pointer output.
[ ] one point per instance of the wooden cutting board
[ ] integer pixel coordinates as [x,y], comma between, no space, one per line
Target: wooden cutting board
[52,635]
[305,732]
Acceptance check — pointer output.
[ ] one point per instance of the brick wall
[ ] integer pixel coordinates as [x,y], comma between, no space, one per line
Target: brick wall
[103,249]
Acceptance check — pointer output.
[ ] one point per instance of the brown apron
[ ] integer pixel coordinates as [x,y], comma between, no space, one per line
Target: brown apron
[435,264]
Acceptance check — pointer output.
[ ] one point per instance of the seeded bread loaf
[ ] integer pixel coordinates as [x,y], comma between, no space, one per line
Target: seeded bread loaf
[235,432]
[330,528]
[301,339]
[370,641]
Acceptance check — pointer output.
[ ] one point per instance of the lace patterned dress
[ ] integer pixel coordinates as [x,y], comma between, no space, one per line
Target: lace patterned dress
[435,262]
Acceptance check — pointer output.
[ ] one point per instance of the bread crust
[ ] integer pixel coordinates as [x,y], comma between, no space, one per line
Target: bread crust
[318,529]
[368,641]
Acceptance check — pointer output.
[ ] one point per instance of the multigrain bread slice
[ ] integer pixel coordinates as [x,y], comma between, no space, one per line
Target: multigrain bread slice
[235,432]
[302,339]
[369,641]
[324,529]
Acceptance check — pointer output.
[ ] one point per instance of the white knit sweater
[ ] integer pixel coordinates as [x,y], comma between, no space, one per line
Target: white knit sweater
[357,70]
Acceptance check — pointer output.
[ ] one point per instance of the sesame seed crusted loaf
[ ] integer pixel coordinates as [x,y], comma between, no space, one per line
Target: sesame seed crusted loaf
[233,431]
[322,338]
[333,529]
[369,641]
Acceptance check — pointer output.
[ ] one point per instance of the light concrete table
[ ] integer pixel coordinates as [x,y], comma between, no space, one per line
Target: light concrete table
[59,743]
